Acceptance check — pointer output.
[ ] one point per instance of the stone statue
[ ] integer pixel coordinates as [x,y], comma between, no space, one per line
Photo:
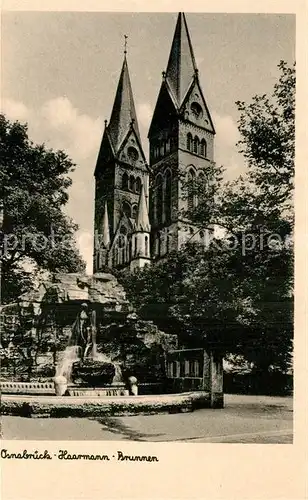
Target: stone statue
[84,330]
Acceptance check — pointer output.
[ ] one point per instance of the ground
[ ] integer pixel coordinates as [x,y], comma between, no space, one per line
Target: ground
[245,419]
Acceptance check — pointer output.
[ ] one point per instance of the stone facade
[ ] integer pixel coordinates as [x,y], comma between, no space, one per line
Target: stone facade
[181,140]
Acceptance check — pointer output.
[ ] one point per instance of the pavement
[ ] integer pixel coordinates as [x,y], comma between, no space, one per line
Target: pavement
[244,419]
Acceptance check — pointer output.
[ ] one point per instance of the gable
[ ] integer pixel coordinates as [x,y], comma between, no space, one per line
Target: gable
[131,151]
[195,108]
[125,228]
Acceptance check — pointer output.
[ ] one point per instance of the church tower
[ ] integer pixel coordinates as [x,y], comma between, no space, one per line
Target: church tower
[121,172]
[181,139]
[141,235]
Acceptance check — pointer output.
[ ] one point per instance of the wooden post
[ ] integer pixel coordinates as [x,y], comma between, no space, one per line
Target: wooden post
[216,370]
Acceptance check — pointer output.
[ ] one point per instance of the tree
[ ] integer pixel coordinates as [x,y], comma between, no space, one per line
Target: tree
[267,127]
[37,235]
[235,295]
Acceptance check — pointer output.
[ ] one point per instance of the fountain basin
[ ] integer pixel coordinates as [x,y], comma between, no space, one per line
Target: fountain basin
[93,373]
[91,407]
[115,389]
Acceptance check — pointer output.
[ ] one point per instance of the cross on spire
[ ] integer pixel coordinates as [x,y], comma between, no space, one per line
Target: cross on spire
[125,44]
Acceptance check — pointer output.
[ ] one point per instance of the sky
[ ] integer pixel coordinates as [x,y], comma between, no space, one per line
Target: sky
[60,71]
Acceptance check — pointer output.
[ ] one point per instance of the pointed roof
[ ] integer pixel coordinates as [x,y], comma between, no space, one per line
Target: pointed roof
[181,66]
[123,114]
[142,220]
[105,228]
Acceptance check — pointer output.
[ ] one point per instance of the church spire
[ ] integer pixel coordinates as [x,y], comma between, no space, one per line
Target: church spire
[123,114]
[105,228]
[142,220]
[181,66]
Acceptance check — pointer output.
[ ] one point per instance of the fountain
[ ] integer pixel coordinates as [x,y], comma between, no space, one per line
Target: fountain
[106,360]
[82,365]
[82,368]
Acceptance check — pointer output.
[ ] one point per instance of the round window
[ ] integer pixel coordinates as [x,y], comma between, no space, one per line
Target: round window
[196,110]
[132,153]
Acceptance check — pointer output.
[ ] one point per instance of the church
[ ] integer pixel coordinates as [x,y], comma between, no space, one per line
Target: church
[138,203]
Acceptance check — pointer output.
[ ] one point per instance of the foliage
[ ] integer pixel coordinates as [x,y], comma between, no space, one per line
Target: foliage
[267,127]
[37,234]
[235,293]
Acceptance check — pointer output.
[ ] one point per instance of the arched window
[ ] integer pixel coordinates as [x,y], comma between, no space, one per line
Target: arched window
[146,246]
[125,181]
[158,244]
[138,185]
[173,143]
[196,144]
[191,189]
[201,186]
[134,211]
[98,260]
[168,195]
[127,209]
[167,243]
[167,146]
[132,183]
[121,249]
[189,141]
[159,198]
[203,148]
[162,148]
[129,249]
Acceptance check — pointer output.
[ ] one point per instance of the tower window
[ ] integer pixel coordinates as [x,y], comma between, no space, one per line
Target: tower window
[173,143]
[127,209]
[125,181]
[159,198]
[189,141]
[196,110]
[167,243]
[191,189]
[158,242]
[132,183]
[156,151]
[138,185]
[132,154]
[201,186]
[168,196]
[134,211]
[196,145]
[129,248]
[146,246]
[203,148]
[121,241]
